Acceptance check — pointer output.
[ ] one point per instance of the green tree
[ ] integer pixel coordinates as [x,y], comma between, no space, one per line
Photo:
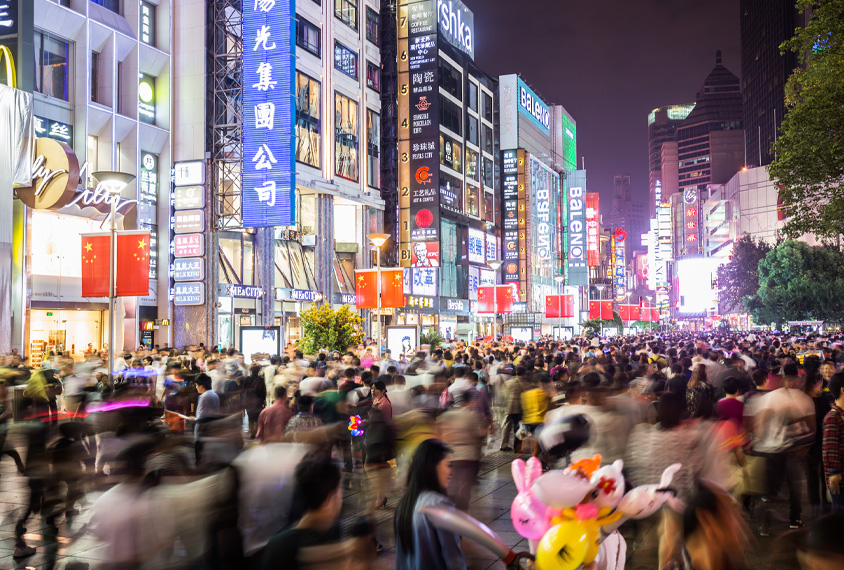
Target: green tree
[330,329]
[799,282]
[809,163]
[431,337]
[594,326]
[738,280]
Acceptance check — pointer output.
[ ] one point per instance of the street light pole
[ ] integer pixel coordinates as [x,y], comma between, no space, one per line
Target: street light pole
[378,240]
[600,289]
[627,294]
[560,279]
[114,183]
[494,264]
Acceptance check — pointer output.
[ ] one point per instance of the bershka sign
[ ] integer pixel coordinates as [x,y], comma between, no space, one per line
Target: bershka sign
[457,25]
[534,108]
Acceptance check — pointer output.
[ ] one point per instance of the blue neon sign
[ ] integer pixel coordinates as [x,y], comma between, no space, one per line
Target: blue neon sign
[534,108]
[268,69]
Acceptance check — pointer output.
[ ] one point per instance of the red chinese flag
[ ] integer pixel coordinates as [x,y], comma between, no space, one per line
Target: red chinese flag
[392,288]
[505,296]
[654,314]
[624,312]
[486,299]
[95,250]
[366,292]
[606,310]
[594,310]
[132,276]
[645,314]
[552,306]
[635,313]
[567,305]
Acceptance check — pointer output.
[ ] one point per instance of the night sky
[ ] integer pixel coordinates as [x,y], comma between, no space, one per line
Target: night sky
[609,62]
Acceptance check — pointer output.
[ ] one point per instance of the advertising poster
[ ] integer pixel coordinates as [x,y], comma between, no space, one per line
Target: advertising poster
[259,340]
[402,340]
[425,254]
[593,230]
[575,182]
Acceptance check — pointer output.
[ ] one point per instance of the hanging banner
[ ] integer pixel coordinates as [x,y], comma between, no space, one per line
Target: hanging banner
[593,230]
[559,306]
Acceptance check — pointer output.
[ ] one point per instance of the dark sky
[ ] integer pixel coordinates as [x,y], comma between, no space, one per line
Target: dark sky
[609,62]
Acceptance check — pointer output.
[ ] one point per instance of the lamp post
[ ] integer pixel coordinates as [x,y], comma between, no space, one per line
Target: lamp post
[114,183]
[650,299]
[494,264]
[378,240]
[560,279]
[600,289]
[627,295]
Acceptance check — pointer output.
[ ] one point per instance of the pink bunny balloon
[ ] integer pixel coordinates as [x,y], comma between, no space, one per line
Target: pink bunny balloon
[531,517]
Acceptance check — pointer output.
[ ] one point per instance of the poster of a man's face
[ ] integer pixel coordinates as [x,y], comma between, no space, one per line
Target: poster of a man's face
[425,254]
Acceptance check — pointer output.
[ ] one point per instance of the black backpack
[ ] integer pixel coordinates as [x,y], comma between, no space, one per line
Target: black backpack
[364,404]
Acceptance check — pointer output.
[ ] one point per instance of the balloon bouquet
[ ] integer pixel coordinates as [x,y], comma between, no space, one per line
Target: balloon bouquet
[569,516]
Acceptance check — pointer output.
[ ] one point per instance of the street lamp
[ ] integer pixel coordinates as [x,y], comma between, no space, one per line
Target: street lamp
[600,289]
[378,240]
[114,183]
[560,279]
[627,295]
[495,265]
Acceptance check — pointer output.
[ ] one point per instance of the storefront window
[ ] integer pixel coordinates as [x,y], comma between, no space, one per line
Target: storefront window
[373,76]
[472,167]
[471,129]
[231,260]
[345,137]
[451,80]
[307,120]
[52,63]
[373,151]
[472,200]
[294,266]
[345,227]
[487,142]
[451,115]
[488,174]
[448,259]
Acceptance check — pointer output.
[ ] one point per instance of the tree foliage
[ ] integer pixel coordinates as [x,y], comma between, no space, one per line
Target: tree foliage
[800,282]
[324,327]
[431,337]
[594,326]
[809,163]
[738,280]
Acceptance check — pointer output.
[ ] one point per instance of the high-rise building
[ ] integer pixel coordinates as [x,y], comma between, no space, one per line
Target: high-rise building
[620,190]
[710,149]
[765,25]
[662,125]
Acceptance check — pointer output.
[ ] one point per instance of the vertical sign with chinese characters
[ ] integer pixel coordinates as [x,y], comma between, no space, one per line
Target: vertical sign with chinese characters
[418,87]
[268,71]
[523,181]
[148,206]
[510,195]
[147,27]
[593,231]
[187,262]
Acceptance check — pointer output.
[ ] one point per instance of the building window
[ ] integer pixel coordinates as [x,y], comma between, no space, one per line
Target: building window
[488,173]
[147,24]
[473,171]
[451,80]
[449,259]
[488,142]
[347,12]
[91,156]
[471,129]
[345,137]
[113,5]
[307,120]
[95,72]
[345,60]
[372,34]
[489,210]
[472,96]
[308,36]
[373,150]
[450,115]
[373,76]
[52,63]
[473,200]
[487,110]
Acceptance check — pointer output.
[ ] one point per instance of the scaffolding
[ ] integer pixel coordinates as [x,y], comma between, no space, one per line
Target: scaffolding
[225,92]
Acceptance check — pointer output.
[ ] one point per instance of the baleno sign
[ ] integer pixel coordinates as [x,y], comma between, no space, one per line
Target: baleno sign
[55,182]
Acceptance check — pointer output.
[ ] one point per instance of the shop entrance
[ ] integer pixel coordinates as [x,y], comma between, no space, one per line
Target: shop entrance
[65,330]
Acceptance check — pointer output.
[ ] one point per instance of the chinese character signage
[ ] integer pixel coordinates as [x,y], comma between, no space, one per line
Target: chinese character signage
[423,280]
[189,294]
[188,221]
[189,269]
[189,245]
[578,274]
[510,186]
[476,246]
[147,28]
[188,197]
[51,129]
[593,231]
[268,70]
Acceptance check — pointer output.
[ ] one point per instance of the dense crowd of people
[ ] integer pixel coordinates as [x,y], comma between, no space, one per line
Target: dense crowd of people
[249,456]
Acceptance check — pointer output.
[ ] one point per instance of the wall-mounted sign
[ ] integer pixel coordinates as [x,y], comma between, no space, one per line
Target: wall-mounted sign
[268,155]
[189,269]
[188,221]
[457,25]
[305,295]
[578,274]
[455,305]
[147,23]
[421,302]
[421,281]
[189,245]
[190,173]
[510,191]
[534,108]
[593,230]
[189,293]
[242,291]
[148,189]
[146,98]
[55,176]
[491,247]
[188,197]
[476,246]
[348,298]
[51,129]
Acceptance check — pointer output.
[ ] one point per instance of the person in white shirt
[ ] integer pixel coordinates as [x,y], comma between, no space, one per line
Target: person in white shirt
[269,376]
[218,378]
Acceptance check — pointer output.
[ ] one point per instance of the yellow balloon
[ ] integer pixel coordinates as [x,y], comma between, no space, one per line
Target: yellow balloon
[591,528]
[563,547]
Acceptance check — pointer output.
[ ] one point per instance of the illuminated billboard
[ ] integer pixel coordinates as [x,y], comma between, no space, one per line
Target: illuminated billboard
[575,186]
[697,292]
[534,108]
[593,230]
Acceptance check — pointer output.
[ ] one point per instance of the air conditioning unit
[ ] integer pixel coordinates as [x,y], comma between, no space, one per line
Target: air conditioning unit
[309,240]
